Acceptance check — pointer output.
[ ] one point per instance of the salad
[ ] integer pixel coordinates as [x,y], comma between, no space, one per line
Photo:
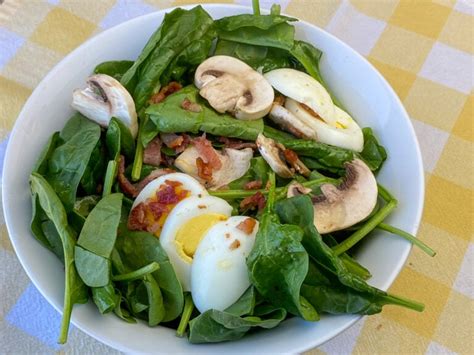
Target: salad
[213,185]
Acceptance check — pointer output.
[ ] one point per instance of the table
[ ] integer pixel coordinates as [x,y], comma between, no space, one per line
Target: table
[423,48]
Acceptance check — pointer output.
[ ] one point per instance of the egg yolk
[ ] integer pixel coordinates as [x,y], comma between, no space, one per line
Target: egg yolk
[191,233]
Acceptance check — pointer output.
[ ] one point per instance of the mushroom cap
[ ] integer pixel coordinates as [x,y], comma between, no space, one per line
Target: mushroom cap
[344,133]
[235,164]
[103,98]
[347,204]
[230,85]
[271,153]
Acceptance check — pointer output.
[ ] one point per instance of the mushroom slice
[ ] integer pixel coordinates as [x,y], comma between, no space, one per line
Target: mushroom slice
[295,189]
[234,164]
[104,98]
[230,85]
[290,123]
[347,204]
[273,155]
[344,132]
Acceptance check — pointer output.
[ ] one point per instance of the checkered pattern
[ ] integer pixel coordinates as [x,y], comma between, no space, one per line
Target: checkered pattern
[423,48]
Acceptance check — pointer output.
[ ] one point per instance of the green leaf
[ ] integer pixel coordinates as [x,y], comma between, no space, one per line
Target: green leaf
[93,269]
[100,229]
[41,166]
[75,290]
[105,298]
[263,22]
[54,239]
[156,309]
[95,169]
[113,68]
[373,153]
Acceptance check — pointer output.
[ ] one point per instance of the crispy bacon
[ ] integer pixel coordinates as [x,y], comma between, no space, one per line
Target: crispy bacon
[165,91]
[257,200]
[236,143]
[177,142]
[137,218]
[247,225]
[188,105]
[290,156]
[235,244]
[207,152]
[204,170]
[253,185]
[126,186]
[152,152]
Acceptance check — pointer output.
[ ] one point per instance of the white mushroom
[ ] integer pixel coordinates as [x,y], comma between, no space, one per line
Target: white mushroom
[312,106]
[290,123]
[234,164]
[104,98]
[347,204]
[230,85]
[278,157]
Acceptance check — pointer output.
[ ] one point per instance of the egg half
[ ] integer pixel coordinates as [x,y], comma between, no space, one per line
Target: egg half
[160,197]
[219,273]
[185,227]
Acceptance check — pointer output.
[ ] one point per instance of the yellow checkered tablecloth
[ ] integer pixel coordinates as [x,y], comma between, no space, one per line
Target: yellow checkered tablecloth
[423,48]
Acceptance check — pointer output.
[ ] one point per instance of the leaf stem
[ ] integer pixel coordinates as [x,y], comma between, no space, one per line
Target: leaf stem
[137,274]
[404,302]
[186,315]
[385,194]
[411,238]
[138,161]
[109,177]
[256,7]
[370,225]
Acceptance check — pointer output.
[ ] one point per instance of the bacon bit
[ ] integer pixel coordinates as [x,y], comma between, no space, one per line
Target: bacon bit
[236,143]
[204,170]
[227,235]
[247,225]
[152,176]
[290,156]
[126,186]
[279,100]
[157,209]
[165,91]
[188,105]
[205,150]
[137,218]
[167,160]
[268,185]
[172,140]
[254,201]
[201,207]
[253,185]
[173,183]
[152,152]
[234,245]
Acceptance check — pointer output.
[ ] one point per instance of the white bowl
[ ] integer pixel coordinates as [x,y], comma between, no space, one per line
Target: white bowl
[364,92]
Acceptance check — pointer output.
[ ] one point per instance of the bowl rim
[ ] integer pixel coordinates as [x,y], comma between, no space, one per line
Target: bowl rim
[245,9]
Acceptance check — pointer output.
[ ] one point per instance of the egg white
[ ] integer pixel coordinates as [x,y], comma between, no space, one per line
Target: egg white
[185,210]
[219,273]
[189,183]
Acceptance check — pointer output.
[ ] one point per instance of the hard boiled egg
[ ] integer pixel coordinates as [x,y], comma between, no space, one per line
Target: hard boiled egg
[309,103]
[219,273]
[185,227]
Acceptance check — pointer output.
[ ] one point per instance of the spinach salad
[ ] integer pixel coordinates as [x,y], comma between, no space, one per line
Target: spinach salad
[213,185]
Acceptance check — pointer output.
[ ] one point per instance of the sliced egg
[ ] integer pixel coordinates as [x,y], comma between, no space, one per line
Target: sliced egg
[343,132]
[161,195]
[311,104]
[219,273]
[186,226]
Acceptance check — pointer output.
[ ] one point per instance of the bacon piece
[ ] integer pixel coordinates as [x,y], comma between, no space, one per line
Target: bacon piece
[152,176]
[137,218]
[234,245]
[126,186]
[207,152]
[177,142]
[253,185]
[152,152]
[247,225]
[165,91]
[157,209]
[188,105]
[290,156]
[236,143]
[257,200]
[204,170]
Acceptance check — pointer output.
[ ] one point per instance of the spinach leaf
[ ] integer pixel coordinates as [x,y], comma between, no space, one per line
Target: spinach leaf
[258,171]
[309,57]
[137,249]
[119,139]
[114,68]
[53,238]
[373,153]
[41,166]
[156,309]
[100,229]
[75,290]
[68,162]
[84,205]
[93,269]
[94,172]
[245,304]
[278,36]
[178,29]
[263,22]
[169,117]
[105,298]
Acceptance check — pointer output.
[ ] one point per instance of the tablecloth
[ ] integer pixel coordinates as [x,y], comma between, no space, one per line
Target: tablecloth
[423,48]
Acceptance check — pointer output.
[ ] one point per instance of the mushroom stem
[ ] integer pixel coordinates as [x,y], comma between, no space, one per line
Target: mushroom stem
[369,226]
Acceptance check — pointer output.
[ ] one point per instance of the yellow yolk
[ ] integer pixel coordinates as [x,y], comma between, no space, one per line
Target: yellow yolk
[190,234]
